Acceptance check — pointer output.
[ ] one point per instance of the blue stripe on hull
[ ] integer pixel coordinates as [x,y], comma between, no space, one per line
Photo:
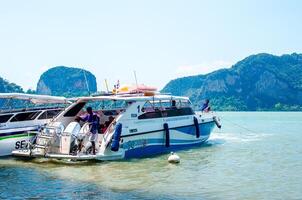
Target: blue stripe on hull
[153,148]
[157,149]
[205,129]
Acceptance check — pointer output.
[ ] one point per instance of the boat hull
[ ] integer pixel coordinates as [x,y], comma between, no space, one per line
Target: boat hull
[150,144]
[15,139]
[155,143]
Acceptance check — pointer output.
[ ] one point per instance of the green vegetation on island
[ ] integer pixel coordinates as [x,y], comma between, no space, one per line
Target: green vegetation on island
[261,82]
[67,81]
[6,86]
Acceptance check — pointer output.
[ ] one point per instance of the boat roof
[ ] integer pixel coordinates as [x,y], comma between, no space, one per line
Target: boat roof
[132,97]
[35,98]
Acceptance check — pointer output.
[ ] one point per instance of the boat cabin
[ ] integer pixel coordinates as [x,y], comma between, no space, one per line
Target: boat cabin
[132,107]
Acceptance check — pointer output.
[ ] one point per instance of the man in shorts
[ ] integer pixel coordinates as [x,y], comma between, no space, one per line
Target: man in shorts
[94,121]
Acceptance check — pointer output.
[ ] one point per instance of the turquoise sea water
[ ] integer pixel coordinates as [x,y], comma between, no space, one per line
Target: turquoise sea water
[256,155]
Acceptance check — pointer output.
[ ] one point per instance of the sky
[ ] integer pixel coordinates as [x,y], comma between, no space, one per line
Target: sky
[159,39]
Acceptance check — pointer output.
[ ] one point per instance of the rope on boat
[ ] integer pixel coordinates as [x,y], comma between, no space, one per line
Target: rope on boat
[233,123]
[240,126]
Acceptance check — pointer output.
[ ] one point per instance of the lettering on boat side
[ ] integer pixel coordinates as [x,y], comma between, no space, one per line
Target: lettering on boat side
[21,144]
[2,125]
[138,108]
[133,130]
[133,115]
[134,144]
[145,121]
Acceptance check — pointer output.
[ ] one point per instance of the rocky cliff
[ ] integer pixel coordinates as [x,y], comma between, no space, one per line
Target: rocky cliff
[66,81]
[258,82]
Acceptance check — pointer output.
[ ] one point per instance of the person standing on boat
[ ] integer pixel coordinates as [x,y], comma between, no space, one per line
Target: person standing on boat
[94,121]
[173,106]
[206,106]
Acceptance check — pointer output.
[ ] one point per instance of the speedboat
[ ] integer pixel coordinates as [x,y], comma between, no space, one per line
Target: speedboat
[143,124]
[21,115]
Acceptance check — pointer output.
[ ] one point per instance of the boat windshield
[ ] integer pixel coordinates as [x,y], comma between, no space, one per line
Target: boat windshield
[166,104]
[107,111]
[166,108]
[106,105]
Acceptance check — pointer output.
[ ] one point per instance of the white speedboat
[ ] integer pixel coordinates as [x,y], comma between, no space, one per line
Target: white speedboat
[146,124]
[19,125]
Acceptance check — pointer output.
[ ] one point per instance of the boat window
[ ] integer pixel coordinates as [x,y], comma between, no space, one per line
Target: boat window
[5,118]
[148,107]
[166,104]
[159,105]
[167,113]
[185,103]
[48,114]
[178,103]
[106,105]
[110,112]
[25,116]
[75,110]
[151,115]
[178,112]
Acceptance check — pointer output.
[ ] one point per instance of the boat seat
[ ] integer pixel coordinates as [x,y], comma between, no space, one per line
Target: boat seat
[85,129]
[73,128]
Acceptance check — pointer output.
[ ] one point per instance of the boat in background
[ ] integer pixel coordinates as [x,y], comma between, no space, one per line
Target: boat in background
[148,123]
[21,115]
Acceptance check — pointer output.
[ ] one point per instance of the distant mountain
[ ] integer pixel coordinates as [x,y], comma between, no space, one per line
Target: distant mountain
[66,81]
[6,86]
[258,82]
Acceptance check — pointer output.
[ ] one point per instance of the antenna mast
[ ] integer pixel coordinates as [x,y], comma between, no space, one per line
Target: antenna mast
[135,80]
[86,81]
[106,85]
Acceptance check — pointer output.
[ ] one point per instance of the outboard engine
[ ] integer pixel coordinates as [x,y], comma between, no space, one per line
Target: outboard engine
[45,137]
[68,137]
[83,138]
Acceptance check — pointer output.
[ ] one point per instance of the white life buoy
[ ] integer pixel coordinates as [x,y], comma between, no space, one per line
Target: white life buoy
[173,158]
